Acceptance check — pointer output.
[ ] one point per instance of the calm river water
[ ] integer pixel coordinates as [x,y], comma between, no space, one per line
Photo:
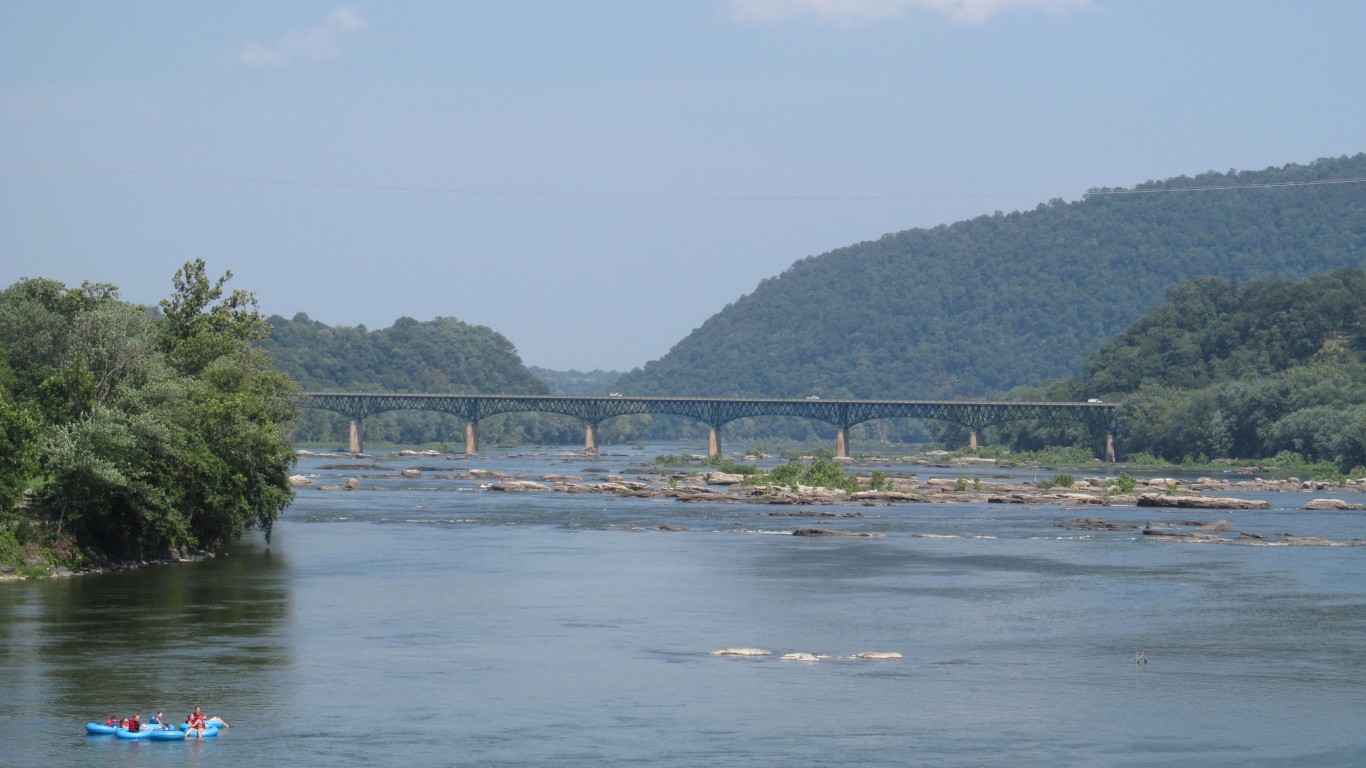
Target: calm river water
[431,623]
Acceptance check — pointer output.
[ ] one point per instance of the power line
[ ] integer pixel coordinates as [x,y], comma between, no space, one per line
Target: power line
[1222,187]
[477,192]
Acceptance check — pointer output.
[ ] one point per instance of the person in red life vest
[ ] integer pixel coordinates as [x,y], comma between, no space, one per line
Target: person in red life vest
[124,723]
[196,723]
[112,722]
[135,724]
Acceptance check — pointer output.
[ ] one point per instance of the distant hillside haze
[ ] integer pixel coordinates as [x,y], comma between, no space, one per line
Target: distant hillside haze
[577,382]
[1004,300]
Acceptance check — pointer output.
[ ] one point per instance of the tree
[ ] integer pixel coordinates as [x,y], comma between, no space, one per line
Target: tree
[144,431]
[201,325]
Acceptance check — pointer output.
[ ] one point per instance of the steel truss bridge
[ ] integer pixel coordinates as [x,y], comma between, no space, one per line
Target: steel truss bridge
[715,412]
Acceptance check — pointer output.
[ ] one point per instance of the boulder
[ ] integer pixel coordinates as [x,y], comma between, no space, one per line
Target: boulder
[730,651]
[518,486]
[724,478]
[884,496]
[579,488]
[1094,524]
[298,480]
[1081,498]
[826,532]
[1199,502]
[410,473]
[1332,504]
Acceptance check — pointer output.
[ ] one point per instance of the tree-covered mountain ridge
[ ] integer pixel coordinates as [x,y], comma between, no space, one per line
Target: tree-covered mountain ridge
[1003,300]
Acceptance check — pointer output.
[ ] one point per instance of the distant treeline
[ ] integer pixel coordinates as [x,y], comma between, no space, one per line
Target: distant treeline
[440,356]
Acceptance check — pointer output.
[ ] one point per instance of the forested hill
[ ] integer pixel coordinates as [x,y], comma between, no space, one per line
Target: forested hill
[1248,370]
[998,301]
[438,356]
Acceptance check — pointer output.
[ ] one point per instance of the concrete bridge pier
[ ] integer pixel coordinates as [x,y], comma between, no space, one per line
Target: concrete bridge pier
[471,438]
[590,438]
[353,443]
[972,441]
[1110,448]
[714,442]
[842,443]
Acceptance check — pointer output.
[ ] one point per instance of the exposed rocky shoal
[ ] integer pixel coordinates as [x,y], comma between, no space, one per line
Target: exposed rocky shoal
[720,487]
[716,487]
[1167,495]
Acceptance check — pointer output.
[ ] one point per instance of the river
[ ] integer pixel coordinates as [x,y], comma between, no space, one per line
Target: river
[432,623]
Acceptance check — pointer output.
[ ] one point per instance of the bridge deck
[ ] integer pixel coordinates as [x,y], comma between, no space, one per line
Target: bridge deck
[715,412]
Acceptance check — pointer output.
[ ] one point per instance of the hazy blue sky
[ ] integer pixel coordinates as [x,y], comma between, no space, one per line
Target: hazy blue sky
[596,179]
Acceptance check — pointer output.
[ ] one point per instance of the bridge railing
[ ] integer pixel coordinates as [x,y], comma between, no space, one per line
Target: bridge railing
[715,412]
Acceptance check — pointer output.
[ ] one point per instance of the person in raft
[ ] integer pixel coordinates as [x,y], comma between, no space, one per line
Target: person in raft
[196,724]
[135,724]
[112,722]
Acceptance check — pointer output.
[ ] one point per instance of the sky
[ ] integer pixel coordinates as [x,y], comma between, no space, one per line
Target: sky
[593,179]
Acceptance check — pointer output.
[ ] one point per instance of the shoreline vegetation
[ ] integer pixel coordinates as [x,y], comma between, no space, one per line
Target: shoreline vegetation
[135,434]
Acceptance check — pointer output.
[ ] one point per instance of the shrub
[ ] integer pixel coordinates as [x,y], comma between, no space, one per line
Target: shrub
[1058,481]
[1125,484]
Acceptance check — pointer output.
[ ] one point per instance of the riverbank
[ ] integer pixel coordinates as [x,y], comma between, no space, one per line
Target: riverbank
[37,567]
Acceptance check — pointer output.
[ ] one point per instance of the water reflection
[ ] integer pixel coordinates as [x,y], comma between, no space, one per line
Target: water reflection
[163,637]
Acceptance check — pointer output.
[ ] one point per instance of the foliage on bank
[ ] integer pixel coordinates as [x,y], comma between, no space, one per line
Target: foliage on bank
[129,431]
[1265,368]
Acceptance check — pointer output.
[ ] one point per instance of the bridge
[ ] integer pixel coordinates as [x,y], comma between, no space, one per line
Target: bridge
[715,412]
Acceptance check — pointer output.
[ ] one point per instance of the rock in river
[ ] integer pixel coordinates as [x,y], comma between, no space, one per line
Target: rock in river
[730,651]
[1199,502]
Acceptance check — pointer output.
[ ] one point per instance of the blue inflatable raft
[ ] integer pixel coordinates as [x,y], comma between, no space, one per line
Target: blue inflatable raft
[152,732]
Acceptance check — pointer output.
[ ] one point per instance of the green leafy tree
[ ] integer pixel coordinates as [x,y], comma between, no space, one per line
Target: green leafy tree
[143,432]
